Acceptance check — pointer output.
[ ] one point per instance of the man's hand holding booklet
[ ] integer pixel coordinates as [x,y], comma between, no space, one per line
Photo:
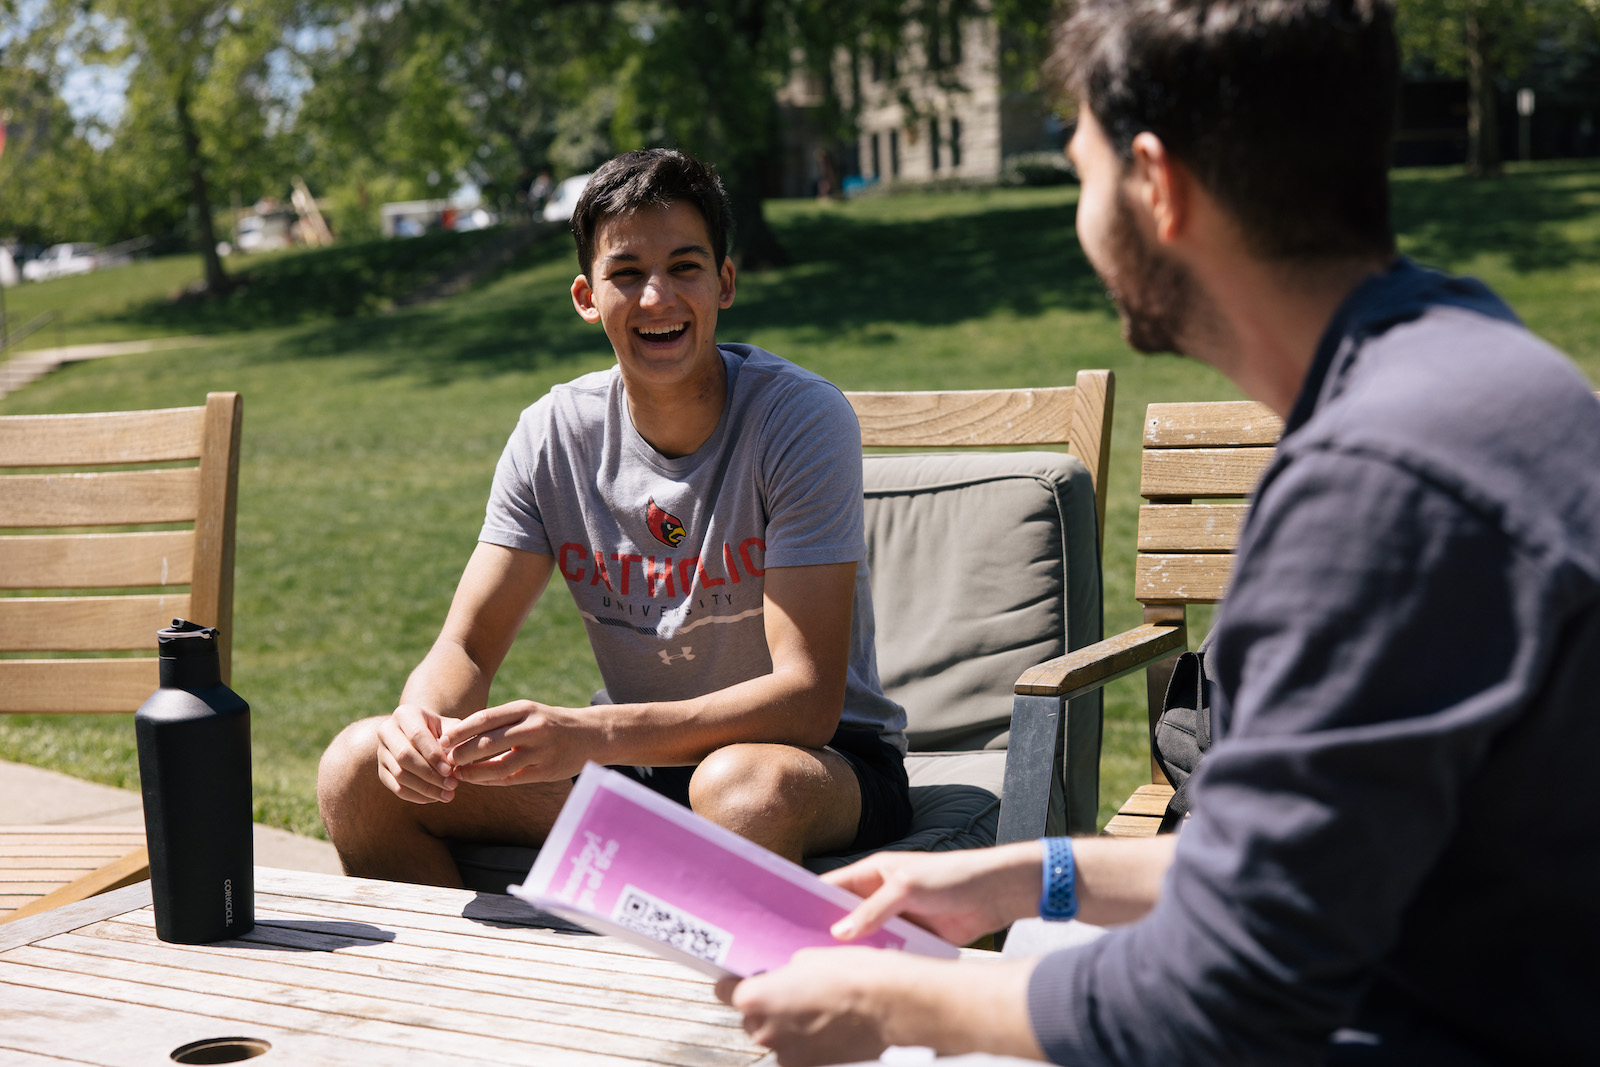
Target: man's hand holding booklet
[625,861]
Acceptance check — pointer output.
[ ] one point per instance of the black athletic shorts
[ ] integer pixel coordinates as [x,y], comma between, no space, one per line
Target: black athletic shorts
[880,772]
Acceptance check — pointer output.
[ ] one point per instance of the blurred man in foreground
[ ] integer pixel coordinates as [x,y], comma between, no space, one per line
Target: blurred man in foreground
[1389,859]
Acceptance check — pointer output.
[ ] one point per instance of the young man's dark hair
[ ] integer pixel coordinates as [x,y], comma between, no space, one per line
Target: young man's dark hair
[1260,101]
[650,177]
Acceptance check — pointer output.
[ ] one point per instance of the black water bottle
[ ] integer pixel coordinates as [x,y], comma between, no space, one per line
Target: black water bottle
[194,771]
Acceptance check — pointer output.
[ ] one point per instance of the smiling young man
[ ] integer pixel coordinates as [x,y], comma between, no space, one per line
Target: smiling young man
[703,505]
[1390,858]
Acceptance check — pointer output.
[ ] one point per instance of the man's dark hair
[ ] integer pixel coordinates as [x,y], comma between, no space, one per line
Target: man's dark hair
[1282,109]
[650,177]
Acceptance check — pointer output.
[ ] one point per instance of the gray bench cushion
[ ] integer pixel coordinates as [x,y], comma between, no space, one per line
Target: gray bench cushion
[955,803]
[970,553]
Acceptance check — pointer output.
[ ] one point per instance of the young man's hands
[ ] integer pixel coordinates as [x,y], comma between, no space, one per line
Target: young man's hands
[521,742]
[412,762]
[423,756]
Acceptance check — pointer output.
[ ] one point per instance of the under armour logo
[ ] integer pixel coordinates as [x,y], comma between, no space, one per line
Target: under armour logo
[687,652]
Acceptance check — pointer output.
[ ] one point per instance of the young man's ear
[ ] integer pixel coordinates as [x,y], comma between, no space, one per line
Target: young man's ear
[726,286]
[583,299]
[1160,186]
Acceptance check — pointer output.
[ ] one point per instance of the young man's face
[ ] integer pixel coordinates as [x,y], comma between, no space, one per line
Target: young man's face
[655,288]
[1153,292]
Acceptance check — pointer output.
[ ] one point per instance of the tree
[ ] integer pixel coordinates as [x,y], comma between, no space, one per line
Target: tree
[497,90]
[428,91]
[180,45]
[209,93]
[1485,40]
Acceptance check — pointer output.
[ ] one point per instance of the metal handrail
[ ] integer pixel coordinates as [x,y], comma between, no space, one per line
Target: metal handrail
[10,338]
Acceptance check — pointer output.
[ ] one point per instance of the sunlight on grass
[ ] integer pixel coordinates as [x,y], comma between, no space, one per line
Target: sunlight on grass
[370,439]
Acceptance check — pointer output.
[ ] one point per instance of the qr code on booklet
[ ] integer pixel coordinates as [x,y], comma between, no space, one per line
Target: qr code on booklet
[641,912]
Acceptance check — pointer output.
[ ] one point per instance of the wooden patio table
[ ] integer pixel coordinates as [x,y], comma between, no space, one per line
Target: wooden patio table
[350,971]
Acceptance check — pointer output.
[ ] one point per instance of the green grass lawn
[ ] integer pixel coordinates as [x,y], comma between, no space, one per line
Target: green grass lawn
[370,438]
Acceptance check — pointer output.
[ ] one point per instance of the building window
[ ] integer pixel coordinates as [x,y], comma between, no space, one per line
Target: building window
[877,163]
[933,141]
[941,35]
[882,62]
[894,153]
[955,142]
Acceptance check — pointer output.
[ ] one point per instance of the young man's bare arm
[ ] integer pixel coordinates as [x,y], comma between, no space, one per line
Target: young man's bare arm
[806,613]
[497,590]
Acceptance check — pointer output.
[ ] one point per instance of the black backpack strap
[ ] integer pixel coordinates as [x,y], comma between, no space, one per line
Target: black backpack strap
[1183,733]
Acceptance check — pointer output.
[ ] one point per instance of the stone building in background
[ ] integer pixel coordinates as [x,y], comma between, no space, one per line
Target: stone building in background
[943,106]
[940,106]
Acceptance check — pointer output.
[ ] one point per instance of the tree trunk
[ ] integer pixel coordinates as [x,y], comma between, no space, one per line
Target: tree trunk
[740,139]
[755,246]
[1483,127]
[217,280]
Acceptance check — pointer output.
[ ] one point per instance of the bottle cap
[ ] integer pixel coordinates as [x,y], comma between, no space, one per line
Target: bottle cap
[185,638]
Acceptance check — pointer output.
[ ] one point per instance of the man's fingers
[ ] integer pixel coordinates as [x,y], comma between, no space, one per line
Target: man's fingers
[861,878]
[508,768]
[409,735]
[725,987]
[481,748]
[871,913]
[409,787]
[479,723]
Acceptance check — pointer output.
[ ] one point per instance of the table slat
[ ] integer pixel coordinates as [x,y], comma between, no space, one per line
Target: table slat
[309,1012]
[341,970]
[68,1029]
[428,988]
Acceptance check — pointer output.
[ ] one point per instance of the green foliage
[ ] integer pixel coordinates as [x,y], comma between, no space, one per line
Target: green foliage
[1037,168]
[409,98]
[1486,41]
[369,441]
[272,290]
[210,91]
[1436,32]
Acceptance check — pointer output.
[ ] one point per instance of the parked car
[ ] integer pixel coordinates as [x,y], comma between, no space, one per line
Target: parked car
[58,261]
[264,231]
[561,203]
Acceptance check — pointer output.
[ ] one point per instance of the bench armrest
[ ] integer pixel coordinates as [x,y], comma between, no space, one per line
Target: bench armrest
[1092,666]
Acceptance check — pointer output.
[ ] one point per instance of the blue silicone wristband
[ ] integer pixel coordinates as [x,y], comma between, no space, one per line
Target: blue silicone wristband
[1058,899]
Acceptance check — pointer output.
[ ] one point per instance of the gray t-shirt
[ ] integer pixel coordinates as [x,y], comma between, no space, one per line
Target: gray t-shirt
[666,557]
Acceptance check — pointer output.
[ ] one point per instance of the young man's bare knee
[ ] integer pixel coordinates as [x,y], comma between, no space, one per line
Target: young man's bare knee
[795,801]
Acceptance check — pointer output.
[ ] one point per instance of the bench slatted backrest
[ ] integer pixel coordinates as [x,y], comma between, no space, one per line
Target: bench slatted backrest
[1199,465]
[83,588]
[1075,415]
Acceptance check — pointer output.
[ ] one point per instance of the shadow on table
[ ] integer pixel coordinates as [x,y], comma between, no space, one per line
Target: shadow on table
[507,912]
[312,935]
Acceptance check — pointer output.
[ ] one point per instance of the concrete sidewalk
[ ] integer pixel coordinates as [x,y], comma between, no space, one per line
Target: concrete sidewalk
[29,366]
[29,795]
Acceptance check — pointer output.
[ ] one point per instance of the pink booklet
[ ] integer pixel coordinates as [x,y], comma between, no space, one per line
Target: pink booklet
[626,861]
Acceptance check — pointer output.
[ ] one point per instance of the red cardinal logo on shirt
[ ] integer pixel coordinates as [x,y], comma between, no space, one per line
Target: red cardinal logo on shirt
[666,527]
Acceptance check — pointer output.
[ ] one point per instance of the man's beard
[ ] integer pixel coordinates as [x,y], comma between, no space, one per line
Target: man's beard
[1154,293]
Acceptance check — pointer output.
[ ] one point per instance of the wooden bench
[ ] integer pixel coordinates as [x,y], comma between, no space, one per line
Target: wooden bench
[109,515]
[1199,465]
[43,866]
